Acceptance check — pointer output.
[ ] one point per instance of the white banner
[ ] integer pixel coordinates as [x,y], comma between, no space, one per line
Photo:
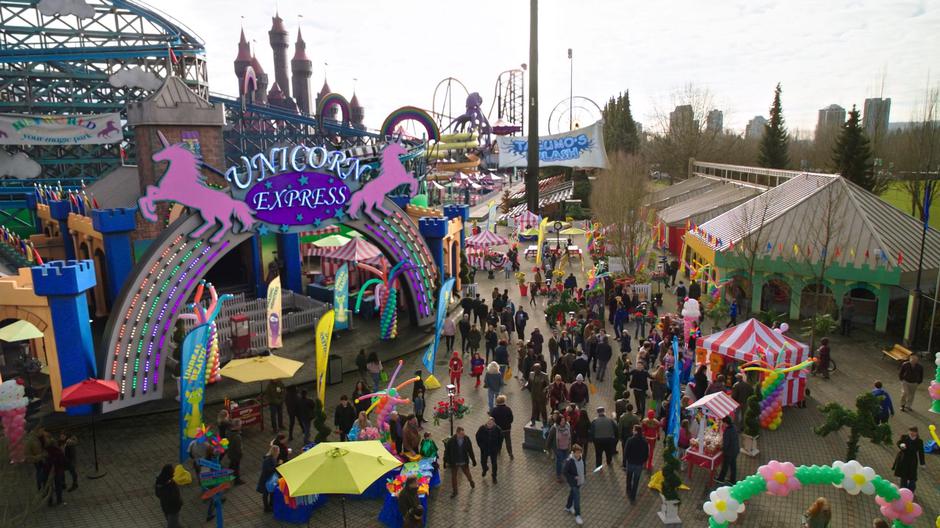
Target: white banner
[581,148]
[96,129]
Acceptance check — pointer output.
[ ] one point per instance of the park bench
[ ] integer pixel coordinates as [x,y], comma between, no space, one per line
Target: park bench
[897,353]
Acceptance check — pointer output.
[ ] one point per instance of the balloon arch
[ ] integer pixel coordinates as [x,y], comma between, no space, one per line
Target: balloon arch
[726,503]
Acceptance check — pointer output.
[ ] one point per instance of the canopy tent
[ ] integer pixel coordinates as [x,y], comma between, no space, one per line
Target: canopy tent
[717,404]
[358,250]
[486,239]
[755,341]
[526,219]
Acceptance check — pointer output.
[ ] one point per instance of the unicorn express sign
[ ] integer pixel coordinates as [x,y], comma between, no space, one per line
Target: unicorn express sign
[289,190]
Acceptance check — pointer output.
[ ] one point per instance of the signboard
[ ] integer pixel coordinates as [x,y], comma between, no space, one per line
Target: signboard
[443,302]
[341,298]
[192,386]
[92,129]
[273,314]
[581,148]
[323,338]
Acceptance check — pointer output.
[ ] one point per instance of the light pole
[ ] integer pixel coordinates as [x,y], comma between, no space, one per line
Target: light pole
[532,151]
[570,91]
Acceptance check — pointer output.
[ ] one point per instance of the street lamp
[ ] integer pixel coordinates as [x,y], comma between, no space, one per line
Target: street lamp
[451,392]
[558,226]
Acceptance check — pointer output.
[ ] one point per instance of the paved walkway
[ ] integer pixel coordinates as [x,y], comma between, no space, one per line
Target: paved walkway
[133,449]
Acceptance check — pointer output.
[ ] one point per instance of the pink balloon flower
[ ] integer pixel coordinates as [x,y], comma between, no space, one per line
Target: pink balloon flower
[780,478]
[934,390]
[904,509]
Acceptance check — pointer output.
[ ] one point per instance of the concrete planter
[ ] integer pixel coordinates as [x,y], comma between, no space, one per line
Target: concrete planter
[669,513]
[749,445]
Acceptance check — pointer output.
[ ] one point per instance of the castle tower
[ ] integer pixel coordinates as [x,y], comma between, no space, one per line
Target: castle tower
[279,42]
[276,98]
[242,61]
[261,94]
[356,112]
[301,69]
[331,113]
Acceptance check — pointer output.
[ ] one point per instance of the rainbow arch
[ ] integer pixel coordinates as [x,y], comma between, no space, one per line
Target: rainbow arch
[411,113]
[329,101]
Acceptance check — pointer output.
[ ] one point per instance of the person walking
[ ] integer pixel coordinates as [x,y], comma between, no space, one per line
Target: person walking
[538,389]
[419,404]
[69,445]
[55,468]
[489,440]
[361,361]
[268,463]
[306,410]
[455,368]
[411,438]
[553,349]
[847,313]
[503,417]
[480,312]
[603,432]
[652,429]
[374,367]
[458,455]
[234,451]
[360,390]
[603,352]
[823,354]
[449,333]
[493,382]
[171,502]
[464,328]
[558,442]
[274,397]
[343,417]
[819,514]
[625,423]
[639,384]
[574,476]
[887,406]
[911,375]
[473,339]
[557,393]
[477,365]
[911,455]
[579,393]
[635,454]
[292,402]
[730,446]
[408,500]
[520,320]
[741,391]
[732,314]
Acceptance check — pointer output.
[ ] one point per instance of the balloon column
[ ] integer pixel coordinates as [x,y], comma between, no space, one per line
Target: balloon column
[385,401]
[386,296]
[935,386]
[771,405]
[727,503]
[13,403]
[207,315]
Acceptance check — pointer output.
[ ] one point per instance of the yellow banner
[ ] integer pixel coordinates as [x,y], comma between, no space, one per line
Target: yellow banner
[323,338]
[542,226]
[274,313]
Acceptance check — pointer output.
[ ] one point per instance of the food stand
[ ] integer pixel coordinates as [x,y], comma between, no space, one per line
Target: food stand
[705,449]
[248,411]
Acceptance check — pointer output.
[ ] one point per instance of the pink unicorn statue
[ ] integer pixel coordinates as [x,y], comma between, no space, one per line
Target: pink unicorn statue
[372,194]
[184,184]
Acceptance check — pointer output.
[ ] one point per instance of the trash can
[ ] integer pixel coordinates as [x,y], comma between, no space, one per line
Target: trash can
[334,370]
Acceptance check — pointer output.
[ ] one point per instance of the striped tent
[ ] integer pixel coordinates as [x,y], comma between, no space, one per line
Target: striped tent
[486,239]
[717,405]
[357,250]
[755,341]
[527,219]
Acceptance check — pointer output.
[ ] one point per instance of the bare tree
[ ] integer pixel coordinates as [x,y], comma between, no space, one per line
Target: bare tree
[915,152]
[617,198]
[750,245]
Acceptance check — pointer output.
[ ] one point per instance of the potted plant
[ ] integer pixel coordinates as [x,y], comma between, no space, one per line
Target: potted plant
[464,274]
[751,431]
[669,509]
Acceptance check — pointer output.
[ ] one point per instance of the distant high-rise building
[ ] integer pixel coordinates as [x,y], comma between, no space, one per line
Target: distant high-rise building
[682,119]
[715,121]
[755,128]
[830,120]
[875,116]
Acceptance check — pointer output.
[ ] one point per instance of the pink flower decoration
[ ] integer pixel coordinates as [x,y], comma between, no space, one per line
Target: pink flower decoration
[934,390]
[904,509]
[780,478]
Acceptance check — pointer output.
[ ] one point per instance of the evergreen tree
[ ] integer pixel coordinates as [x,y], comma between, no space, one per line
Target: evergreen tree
[851,156]
[752,415]
[861,422]
[620,132]
[319,422]
[774,144]
[671,480]
[620,378]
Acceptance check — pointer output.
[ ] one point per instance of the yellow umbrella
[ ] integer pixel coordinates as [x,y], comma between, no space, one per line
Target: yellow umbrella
[339,468]
[260,368]
[530,232]
[331,241]
[19,331]
[572,231]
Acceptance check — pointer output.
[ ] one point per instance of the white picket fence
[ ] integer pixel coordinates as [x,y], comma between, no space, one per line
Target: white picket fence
[299,313]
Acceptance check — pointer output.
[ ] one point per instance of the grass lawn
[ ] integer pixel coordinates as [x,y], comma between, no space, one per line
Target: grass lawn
[898,196]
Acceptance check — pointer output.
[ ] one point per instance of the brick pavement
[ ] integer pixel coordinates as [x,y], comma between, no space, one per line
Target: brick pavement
[132,450]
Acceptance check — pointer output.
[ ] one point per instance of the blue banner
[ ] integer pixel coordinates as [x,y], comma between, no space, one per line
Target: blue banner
[443,302]
[192,386]
[341,298]
[675,400]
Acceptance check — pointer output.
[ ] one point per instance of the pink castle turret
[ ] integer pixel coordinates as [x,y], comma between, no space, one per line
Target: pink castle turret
[301,69]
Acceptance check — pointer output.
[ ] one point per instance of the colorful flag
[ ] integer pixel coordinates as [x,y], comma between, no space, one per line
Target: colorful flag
[323,338]
[443,301]
[341,297]
[192,386]
[273,315]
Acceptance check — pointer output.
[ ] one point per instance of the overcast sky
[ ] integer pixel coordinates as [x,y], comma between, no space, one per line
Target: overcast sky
[823,52]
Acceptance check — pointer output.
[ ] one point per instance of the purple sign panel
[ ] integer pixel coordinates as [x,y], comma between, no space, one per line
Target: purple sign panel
[298,198]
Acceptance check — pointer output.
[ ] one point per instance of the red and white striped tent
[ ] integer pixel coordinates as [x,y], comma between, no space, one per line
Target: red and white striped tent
[717,405]
[755,341]
[486,239]
[526,219]
[356,250]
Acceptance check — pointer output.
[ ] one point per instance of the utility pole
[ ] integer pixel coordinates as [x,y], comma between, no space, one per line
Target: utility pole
[570,91]
[532,158]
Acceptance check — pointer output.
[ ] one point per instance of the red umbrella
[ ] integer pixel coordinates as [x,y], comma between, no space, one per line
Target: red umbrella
[87,392]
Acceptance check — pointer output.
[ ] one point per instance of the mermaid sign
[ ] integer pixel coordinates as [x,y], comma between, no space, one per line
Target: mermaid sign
[324,187]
